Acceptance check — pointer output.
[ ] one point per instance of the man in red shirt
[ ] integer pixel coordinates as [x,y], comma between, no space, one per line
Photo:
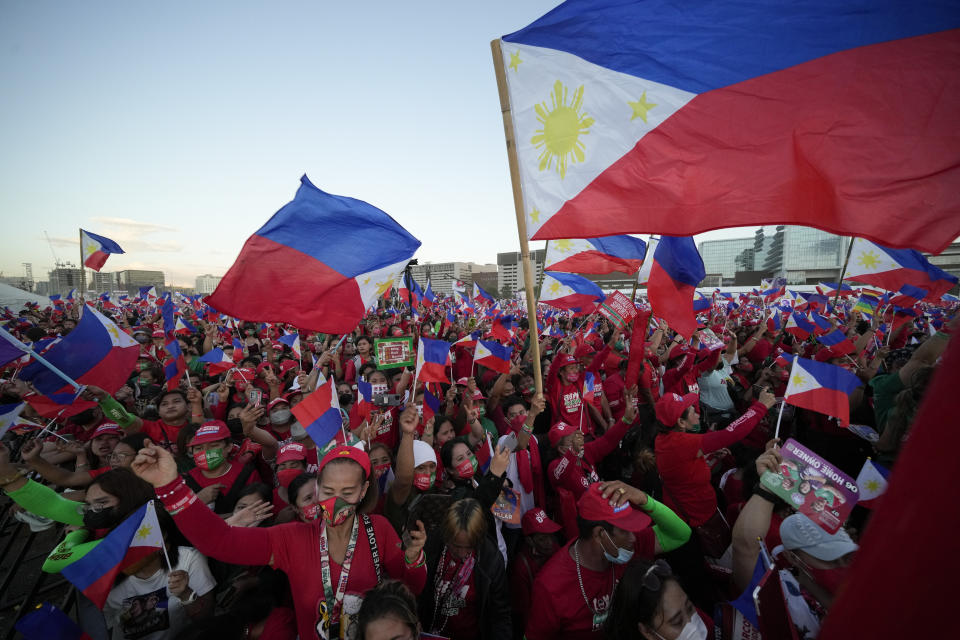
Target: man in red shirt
[175,407]
[573,591]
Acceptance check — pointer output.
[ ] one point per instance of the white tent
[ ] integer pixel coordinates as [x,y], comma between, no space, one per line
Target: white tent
[16,299]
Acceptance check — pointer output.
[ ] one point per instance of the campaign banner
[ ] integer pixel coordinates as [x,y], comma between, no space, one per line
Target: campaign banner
[709,340]
[618,309]
[813,486]
[394,352]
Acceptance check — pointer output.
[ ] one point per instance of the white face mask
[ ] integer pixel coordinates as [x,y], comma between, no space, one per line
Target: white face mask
[693,630]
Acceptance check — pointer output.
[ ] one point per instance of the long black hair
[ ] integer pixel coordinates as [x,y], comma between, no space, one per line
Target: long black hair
[637,598]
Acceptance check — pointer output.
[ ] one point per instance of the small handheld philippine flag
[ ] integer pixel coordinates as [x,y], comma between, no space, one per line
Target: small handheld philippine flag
[872,483]
[136,538]
[821,387]
[96,249]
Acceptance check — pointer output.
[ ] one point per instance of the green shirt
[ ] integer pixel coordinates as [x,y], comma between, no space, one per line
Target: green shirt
[886,387]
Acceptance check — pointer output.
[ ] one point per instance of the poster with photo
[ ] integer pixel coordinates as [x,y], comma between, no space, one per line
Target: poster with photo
[813,486]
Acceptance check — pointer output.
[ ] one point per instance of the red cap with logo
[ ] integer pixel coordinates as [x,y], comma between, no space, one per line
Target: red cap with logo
[276,401]
[536,521]
[343,452]
[558,431]
[107,429]
[291,451]
[565,359]
[210,431]
[594,507]
[671,406]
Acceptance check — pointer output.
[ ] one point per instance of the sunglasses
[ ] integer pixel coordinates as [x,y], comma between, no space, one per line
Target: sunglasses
[652,579]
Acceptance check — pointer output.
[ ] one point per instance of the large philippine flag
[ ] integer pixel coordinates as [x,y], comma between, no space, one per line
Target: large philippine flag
[96,249]
[595,255]
[657,116]
[318,263]
[821,387]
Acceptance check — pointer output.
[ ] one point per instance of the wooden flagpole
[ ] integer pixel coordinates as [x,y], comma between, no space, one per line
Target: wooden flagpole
[843,273]
[83,271]
[528,271]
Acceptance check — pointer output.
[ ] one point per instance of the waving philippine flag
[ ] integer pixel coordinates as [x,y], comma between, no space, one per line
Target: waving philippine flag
[96,249]
[137,537]
[676,271]
[318,263]
[891,269]
[493,355]
[433,358]
[657,116]
[218,361]
[821,387]
[568,291]
[480,294]
[319,413]
[595,255]
[871,483]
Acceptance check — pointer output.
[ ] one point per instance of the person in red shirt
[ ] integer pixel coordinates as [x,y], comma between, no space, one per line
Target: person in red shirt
[573,591]
[329,544]
[680,454]
[175,407]
[575,468]
[219,475]
[539,544]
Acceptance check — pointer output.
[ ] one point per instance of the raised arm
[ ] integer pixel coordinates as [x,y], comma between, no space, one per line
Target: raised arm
[403,482]
[739,428]
[30,454]
[753,522]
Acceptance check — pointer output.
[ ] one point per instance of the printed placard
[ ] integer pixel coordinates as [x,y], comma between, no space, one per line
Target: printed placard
[618,309]
[394,352]
[813,486]
[507,506]
[710,340]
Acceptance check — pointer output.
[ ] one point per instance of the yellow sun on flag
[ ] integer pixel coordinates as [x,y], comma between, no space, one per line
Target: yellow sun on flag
[535,215]
[515,61]
[798,380]
[555,287]
[872,485]
[144,532]
[641,107]
[112,330]
[562,125]
[562,245]
[868,260]
[89,250]
[382,287]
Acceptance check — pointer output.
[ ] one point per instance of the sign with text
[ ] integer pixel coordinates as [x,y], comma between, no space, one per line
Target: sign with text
[813,486]
[394,352]
[618,309]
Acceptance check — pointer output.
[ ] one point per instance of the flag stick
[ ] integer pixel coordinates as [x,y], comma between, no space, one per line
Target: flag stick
[843,273]
[83,271]
[776,433]
[36,356]
[163,544]
[636,276]
[514,163]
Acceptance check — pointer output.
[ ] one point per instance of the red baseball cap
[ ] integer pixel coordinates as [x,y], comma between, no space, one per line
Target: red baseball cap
[463,381]
[565,359]
[584,350]
[536,521]
[594,507]
[291,451]
[210,431]
[107,429]
[287,365]
[246,374]
[677,351]
[558,431]
[671,406]
[277,401]
[344,452]
[157,333]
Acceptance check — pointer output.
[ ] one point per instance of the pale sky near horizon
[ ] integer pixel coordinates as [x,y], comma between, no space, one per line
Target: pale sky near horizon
[177,129]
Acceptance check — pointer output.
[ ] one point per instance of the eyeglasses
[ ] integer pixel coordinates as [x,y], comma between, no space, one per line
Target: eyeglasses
[120,457]
[652,578]
[96,507]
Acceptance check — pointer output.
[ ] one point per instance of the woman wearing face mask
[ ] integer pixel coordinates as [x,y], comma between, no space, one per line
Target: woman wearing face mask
[650,604]
[381,461]
[331,540]
[466,594]
[291,462]
[281,419]
[574,468]
[175,407]
[416,472]
[219,476]
[564,388]
[363,355]
[680,452]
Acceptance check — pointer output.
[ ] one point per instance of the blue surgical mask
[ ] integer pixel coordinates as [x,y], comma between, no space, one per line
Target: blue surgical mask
[623,555]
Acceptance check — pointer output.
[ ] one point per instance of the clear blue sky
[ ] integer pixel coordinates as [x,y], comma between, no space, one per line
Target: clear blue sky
[179,128]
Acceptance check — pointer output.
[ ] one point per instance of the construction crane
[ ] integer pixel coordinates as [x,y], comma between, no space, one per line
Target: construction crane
[56,261]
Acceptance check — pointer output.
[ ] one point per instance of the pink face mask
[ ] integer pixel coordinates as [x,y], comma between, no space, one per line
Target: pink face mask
[573,377]
[423,481]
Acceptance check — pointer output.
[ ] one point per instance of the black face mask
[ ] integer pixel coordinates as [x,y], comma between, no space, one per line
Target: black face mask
[345,399]
[104,519]
[235,426]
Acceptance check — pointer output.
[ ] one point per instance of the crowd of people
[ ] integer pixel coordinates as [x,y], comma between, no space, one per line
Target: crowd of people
[621,502]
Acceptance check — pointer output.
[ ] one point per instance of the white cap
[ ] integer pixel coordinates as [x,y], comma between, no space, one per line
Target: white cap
[422,452]
[799,532]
